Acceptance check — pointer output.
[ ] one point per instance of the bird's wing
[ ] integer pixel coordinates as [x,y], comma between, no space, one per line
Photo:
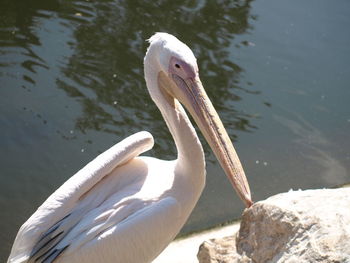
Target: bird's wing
[139,237]
[64,199]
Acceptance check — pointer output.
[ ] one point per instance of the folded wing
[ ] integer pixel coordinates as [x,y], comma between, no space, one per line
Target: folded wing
[43,229]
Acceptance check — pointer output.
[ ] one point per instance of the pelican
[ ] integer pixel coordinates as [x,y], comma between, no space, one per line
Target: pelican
[122,207]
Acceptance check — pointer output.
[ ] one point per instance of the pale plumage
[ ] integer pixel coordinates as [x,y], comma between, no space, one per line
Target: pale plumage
[125,208]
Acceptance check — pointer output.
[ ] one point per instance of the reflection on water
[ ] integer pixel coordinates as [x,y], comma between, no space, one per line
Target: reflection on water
[72,85]
[105,71]
[314,147]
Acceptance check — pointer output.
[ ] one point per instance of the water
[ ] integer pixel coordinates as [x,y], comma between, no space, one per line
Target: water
[72,85]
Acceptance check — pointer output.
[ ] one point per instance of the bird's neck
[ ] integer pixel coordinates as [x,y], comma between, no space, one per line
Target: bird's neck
[190,163]
[189,148]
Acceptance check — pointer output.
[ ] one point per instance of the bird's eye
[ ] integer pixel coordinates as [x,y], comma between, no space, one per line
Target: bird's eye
[177,65]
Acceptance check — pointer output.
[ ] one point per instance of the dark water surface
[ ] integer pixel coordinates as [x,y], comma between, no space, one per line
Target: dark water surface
[71,85]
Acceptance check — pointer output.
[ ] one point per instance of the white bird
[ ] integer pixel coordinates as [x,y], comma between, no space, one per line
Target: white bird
[122,207]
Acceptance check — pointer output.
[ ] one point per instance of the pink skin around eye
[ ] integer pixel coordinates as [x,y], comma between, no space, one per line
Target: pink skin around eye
[184,70]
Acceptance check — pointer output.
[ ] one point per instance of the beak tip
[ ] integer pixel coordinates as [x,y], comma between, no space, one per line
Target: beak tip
[247,201]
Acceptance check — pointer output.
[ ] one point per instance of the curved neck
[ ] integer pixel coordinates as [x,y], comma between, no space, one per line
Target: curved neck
[190,155]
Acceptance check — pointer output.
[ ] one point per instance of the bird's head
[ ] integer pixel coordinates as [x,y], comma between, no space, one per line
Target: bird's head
[174,57]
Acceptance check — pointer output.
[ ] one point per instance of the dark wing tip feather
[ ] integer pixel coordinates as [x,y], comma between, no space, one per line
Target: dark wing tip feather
[45,249]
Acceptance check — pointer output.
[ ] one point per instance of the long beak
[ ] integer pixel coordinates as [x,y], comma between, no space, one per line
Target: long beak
[191,94]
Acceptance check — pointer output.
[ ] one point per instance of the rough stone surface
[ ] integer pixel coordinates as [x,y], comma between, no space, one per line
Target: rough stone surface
[298,226]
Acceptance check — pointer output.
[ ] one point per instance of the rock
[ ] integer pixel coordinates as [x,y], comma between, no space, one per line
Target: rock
[217,250]
[298,226]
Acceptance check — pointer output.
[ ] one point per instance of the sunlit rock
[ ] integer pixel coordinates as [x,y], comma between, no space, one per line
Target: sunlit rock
[298,226]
